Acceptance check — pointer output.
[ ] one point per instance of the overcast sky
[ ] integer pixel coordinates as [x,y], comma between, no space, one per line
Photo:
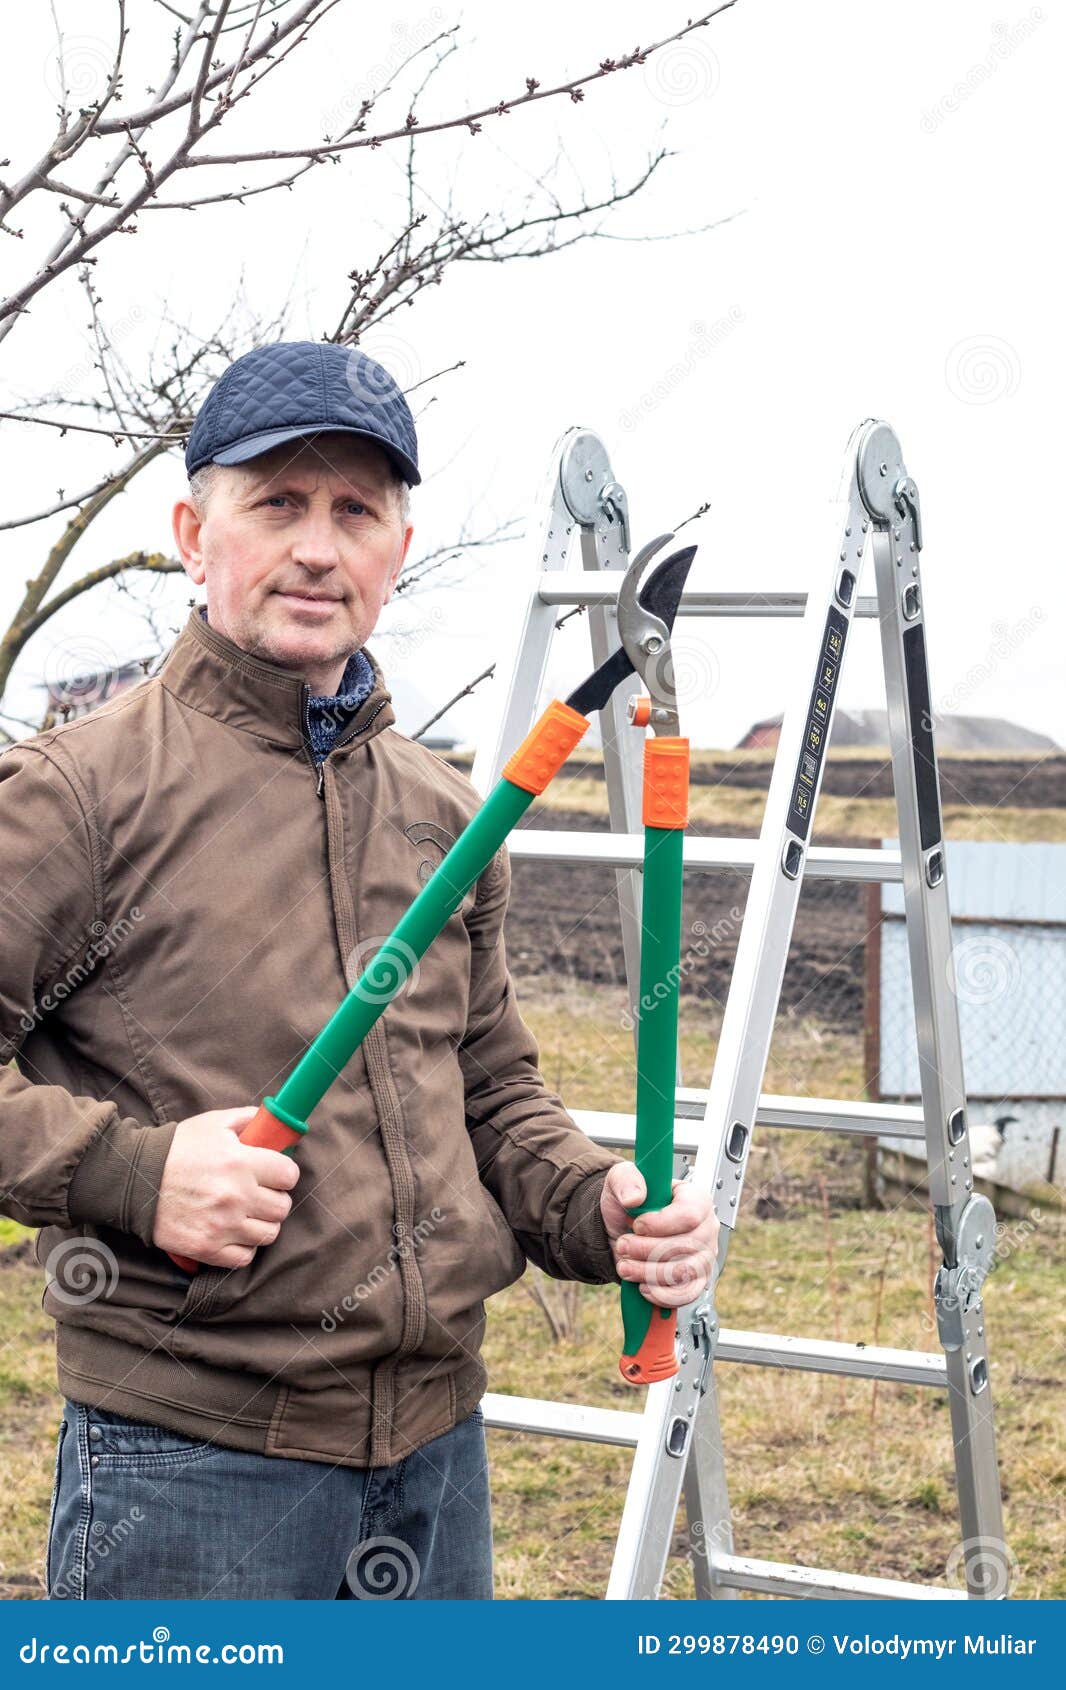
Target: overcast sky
[885,187]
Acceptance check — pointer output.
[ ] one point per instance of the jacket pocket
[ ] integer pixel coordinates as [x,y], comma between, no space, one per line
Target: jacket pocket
[206,1294]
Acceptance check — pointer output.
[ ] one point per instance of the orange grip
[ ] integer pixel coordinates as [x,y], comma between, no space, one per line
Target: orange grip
[546,747]
[665,782]
[266,1132]
[657,1357]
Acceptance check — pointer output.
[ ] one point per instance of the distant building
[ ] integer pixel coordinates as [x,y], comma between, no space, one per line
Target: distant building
[78,694]
[868,730]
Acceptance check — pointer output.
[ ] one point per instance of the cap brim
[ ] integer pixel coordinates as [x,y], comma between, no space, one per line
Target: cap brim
[256,444]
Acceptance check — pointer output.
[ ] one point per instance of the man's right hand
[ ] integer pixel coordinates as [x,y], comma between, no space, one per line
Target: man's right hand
[219,1199]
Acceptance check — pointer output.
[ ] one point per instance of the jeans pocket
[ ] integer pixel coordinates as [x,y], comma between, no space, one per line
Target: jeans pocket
[121,1442]
[60,1436]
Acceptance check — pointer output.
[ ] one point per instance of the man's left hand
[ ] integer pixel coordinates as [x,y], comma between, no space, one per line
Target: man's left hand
[668,1253]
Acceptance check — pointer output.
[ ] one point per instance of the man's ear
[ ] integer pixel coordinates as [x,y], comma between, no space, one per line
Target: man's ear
[401,556]
[187,527]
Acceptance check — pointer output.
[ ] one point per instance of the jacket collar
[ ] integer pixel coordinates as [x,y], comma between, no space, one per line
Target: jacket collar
[208,671]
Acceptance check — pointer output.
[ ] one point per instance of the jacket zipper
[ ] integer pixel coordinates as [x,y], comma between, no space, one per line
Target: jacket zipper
[320,770]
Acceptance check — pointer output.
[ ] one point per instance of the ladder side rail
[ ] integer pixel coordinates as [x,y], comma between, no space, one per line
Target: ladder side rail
[965,1221]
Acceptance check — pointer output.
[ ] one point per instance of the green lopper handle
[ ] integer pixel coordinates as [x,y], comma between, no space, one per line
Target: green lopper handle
[648,1349]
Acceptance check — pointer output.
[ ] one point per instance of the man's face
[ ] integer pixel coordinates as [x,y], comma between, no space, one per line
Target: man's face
[298,550]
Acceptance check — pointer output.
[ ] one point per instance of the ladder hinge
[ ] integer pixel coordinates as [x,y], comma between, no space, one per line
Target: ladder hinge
[957,1288]
[908,503]
[704,1338]
[616,508]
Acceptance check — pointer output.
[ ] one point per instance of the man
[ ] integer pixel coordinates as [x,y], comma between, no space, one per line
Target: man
[193,876]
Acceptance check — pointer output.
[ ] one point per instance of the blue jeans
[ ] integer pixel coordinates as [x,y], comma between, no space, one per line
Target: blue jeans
[139,1512]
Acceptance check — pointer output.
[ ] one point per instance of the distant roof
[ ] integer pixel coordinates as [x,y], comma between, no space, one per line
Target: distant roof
[860,728]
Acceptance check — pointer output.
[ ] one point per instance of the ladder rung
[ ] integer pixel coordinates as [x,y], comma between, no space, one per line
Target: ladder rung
[821,1114]
[815,1355]
[778,1578]
[809,1114]
[558,586]
[562,1419]
[707,855]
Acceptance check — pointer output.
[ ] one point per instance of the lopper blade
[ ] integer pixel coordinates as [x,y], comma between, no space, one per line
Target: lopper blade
[660,595]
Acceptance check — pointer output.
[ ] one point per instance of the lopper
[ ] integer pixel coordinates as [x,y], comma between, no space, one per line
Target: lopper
[645,620]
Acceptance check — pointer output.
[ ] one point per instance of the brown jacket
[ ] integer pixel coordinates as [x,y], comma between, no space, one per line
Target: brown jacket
[185,901]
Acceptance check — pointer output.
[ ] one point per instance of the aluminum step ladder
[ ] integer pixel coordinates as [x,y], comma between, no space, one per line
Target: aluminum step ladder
[676,1438]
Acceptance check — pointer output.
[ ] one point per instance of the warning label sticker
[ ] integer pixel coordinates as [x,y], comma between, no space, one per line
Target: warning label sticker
[815,739]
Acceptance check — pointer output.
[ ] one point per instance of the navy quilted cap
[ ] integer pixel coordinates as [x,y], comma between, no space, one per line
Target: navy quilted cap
[300,387]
